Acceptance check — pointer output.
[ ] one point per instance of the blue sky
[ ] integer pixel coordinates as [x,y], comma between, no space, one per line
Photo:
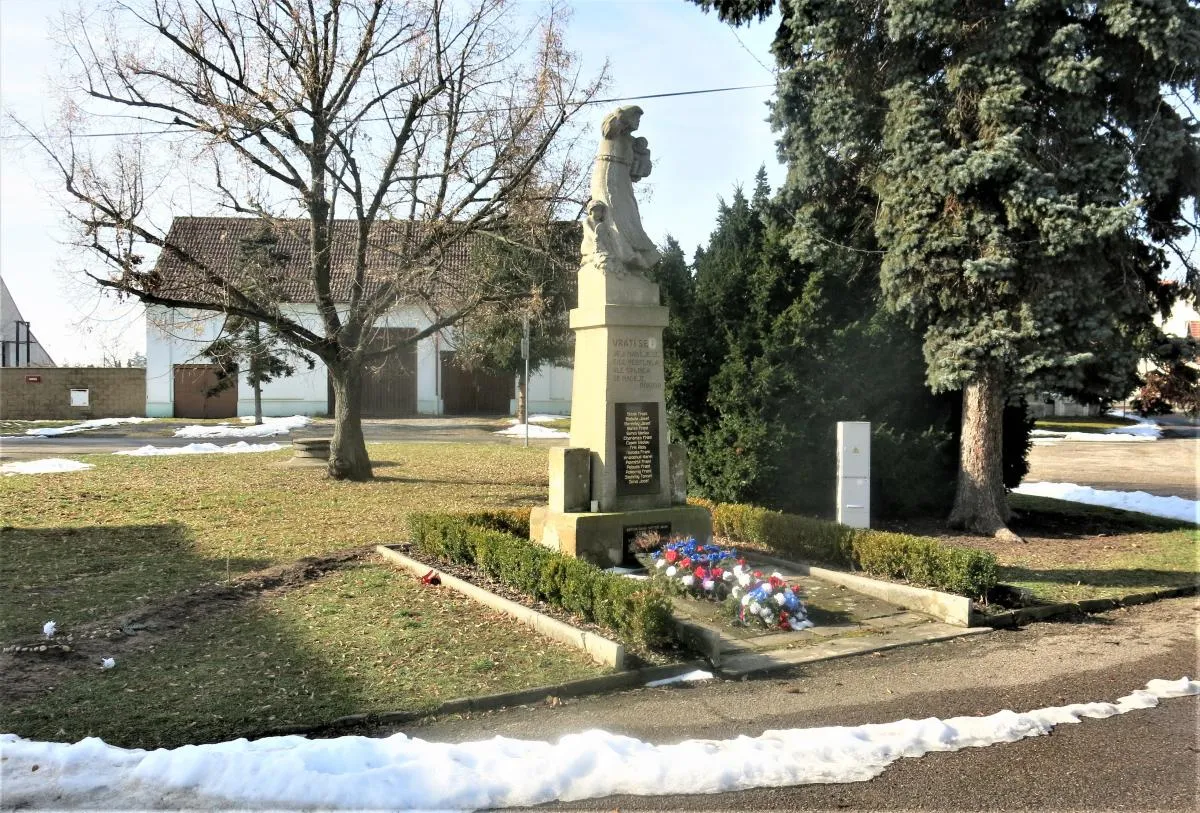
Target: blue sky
[703,145]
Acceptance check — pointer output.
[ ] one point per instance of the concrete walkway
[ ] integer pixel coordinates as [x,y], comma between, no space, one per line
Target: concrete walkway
[846,623]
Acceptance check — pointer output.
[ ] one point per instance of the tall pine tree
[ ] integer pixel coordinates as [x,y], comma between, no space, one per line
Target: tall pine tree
[1023,173]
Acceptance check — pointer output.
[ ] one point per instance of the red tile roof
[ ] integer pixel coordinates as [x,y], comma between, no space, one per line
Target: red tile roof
[440,275]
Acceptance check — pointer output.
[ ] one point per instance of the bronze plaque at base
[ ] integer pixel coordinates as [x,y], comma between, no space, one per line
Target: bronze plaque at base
[631,532]
[638,457]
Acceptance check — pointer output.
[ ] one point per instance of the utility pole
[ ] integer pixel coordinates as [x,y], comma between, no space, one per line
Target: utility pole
[525,382]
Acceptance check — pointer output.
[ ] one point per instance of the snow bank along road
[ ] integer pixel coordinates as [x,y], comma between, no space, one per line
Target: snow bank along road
[399,772]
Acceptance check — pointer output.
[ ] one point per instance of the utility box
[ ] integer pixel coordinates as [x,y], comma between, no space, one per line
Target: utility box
[854,473]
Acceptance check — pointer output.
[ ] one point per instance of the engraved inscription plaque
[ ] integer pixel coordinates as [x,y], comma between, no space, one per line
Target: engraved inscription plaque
[638,462]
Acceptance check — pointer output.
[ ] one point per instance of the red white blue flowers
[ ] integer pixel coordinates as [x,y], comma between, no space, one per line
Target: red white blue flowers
[715,573]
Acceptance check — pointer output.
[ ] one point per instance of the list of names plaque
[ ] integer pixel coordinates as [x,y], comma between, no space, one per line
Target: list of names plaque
[638,460]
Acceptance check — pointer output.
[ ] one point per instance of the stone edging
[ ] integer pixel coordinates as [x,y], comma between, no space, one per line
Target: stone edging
[632,679]
[1024,615]
[945,607]
[601,650]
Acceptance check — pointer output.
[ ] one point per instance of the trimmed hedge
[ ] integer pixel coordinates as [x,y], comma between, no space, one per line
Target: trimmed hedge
[916,559]
[486,540]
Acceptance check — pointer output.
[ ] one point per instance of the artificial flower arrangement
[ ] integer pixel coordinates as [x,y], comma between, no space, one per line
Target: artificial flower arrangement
[718,574]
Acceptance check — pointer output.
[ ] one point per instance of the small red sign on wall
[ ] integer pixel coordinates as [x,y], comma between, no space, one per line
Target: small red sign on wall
[33,379]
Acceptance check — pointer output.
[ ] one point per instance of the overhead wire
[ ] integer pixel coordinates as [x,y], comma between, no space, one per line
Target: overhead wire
[177,129]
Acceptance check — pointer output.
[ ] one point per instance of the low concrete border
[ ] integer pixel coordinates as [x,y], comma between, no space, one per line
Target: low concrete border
[1025,615]
[945,607]
[632,679]
[601,650]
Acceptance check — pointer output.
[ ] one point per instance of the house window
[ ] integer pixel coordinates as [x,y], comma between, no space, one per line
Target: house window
[79,398]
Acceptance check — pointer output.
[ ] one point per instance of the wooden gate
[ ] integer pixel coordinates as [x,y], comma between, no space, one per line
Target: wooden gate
[389,388]
[192,383]
[474,392]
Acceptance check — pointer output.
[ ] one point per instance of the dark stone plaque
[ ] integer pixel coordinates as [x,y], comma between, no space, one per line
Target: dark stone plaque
[638,459]
[630,533]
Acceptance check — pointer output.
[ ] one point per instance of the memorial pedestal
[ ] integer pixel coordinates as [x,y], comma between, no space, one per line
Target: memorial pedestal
[604,539]
[620,464]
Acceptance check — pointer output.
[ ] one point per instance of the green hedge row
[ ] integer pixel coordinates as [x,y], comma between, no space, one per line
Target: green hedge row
[636,611]
[916,559]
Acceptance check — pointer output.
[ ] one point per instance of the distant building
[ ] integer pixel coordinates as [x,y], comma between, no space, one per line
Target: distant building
[18,346]
[421,379]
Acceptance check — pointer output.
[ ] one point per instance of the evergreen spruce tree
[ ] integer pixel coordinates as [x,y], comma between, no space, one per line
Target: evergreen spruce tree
[1023,172]
[539,282]
[246,345]
[776,348]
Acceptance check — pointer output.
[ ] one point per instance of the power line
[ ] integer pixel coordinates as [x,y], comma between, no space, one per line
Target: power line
[497,110]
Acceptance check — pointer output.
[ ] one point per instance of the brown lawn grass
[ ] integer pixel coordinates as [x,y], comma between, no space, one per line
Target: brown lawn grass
[136,533]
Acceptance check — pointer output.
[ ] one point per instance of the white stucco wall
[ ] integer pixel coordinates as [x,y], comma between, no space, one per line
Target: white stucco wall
[550,391]
[1177,323]
[178,337]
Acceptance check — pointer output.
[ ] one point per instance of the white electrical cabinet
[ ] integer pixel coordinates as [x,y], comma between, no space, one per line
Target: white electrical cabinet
[854,473]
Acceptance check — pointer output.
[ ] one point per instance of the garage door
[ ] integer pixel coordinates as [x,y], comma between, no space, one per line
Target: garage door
[474,392]
[192,383]
[389,388]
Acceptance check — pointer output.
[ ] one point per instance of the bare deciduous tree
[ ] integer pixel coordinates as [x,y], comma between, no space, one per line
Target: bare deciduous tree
[387,133]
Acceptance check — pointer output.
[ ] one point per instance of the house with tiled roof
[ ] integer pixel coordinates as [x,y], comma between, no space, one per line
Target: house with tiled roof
[421,379]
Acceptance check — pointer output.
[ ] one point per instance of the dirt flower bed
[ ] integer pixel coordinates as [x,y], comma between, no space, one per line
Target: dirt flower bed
[635,656]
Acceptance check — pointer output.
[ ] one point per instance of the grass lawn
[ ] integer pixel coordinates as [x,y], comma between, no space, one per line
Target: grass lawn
[1076,552]
[1085,423]
[89,544]
[132,533]
[363,639]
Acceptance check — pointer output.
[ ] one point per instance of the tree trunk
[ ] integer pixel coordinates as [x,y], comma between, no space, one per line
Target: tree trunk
[348,458]
[981,503]
[522,399]
[256,370]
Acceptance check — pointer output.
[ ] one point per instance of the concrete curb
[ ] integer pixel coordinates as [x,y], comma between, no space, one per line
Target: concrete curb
[1024,615]
[632,679]
[744,665]
[946,607]
[601,650]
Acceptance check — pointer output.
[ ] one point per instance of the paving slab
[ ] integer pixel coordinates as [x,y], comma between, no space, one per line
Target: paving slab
[846,623]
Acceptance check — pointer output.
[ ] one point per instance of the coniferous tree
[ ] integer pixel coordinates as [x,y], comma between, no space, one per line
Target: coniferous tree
[1023,172]
[539,280]
[778,350]
[245,345]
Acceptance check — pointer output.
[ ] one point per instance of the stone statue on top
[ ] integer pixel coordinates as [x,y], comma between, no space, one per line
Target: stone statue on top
[613,237]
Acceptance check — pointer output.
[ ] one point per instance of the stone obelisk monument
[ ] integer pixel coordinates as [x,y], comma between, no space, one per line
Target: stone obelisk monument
[621,477]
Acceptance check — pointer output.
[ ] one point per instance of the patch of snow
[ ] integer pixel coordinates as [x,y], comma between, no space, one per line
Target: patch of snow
[241,447]
[399,772]
[95,423]
[48,465]
[686,677]
[1047,435]
[1139,501]
[535,431]
[1143,430]
[544,418]
[269,428]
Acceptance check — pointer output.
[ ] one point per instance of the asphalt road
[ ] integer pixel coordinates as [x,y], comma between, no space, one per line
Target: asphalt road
[1139,761]
[414,430]
[1168,467]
